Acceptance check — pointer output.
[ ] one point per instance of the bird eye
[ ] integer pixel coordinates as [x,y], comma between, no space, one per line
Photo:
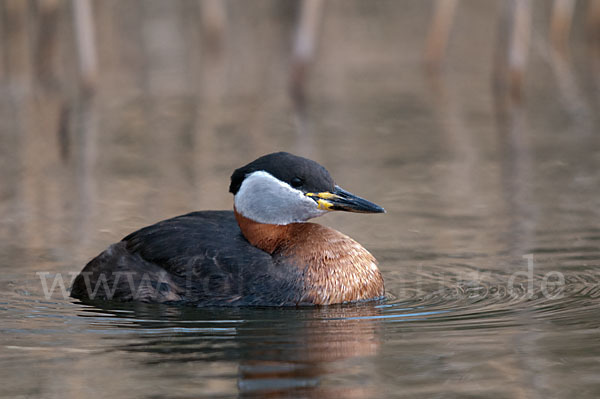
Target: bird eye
[296,182]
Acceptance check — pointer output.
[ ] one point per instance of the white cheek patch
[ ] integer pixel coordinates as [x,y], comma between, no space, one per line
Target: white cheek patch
[266,199]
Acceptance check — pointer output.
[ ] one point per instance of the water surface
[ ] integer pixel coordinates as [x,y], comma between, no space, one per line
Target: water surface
[490,247]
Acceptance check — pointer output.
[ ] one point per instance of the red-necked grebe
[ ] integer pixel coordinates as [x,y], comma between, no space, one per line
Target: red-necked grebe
[262,253]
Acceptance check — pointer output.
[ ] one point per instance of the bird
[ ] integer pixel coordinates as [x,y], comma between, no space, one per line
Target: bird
[264,252]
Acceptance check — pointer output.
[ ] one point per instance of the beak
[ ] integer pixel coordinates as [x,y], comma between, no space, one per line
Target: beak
[342,200]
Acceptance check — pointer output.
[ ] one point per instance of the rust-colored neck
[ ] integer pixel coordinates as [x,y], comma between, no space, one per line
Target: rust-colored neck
[268,237]
[335,268]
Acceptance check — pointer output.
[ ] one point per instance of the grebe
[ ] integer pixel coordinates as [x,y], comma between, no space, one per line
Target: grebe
[262,253]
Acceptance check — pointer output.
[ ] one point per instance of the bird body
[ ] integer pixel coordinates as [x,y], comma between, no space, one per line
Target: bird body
[263,253]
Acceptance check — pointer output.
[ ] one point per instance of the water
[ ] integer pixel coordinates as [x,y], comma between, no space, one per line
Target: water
[490,247]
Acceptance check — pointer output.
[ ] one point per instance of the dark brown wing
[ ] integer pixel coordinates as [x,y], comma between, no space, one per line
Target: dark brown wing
[199,258]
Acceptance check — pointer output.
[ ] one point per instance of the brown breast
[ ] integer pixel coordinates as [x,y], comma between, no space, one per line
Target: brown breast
[335,268]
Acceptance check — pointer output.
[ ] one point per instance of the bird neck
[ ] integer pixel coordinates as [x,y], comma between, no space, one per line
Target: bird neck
[335,268]
[268,237]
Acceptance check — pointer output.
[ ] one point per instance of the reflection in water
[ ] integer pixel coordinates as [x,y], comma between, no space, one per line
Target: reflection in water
[516,177]
[279,352]
[86,126]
